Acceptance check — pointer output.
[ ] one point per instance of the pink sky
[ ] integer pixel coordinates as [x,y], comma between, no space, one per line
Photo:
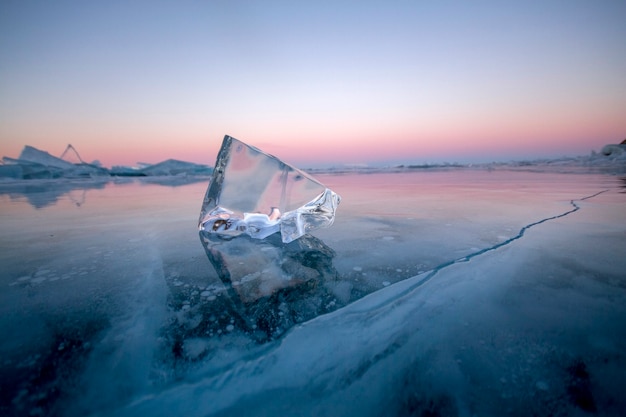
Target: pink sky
[314,84]
[466,141]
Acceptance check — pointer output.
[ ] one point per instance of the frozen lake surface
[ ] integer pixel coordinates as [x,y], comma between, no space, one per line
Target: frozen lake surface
[436,293]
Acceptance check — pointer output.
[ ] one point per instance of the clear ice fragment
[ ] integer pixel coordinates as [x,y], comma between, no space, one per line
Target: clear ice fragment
[257,194]
[254,269]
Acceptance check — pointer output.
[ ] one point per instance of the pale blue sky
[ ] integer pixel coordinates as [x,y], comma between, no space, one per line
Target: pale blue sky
[398,81]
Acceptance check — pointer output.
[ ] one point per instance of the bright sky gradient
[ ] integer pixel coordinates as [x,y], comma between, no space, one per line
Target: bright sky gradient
[313,82]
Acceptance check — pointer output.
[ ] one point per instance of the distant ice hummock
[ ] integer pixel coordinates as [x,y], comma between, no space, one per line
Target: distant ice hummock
[257,194]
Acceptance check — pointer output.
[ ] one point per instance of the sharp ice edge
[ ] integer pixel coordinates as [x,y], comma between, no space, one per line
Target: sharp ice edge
[198,396]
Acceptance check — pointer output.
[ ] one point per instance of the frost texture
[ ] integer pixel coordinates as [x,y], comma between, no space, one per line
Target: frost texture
[257,194]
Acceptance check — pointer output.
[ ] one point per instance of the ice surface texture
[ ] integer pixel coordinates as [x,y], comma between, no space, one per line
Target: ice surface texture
[257,194]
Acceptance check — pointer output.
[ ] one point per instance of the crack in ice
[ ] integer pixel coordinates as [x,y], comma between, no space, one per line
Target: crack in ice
[510,240]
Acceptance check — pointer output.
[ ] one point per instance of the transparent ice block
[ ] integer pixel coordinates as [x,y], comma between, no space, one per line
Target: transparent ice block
[257,194]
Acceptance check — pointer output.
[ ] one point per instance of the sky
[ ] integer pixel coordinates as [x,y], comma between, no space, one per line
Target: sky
[315,83]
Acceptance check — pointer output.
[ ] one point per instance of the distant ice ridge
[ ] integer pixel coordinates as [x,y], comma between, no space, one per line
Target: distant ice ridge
[615,151]
[37,164]
[165,168]
[610,160]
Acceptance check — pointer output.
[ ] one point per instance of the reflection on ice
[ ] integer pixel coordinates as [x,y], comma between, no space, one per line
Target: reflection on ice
[271,284]
[46,193]
[43,194]
[267,287]
[259,268]
[255,193]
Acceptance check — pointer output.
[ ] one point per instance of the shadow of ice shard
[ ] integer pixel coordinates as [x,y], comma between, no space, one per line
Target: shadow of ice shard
[271,285]
[256,194]
[256,269]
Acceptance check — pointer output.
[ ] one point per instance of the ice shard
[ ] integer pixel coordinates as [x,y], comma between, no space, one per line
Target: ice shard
[257,194]
[256,269]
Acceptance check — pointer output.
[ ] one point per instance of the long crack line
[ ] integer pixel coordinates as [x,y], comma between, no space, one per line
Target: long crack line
[519,235]
[523,230]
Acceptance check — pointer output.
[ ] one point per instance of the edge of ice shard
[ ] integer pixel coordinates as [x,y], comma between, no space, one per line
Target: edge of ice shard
[237,215]
[313,215]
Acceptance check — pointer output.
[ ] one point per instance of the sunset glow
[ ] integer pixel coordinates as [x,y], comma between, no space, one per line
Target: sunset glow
[313,83]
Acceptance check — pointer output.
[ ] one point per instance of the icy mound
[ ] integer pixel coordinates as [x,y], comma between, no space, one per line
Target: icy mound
[176,167]
[615,151]
[36,164]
